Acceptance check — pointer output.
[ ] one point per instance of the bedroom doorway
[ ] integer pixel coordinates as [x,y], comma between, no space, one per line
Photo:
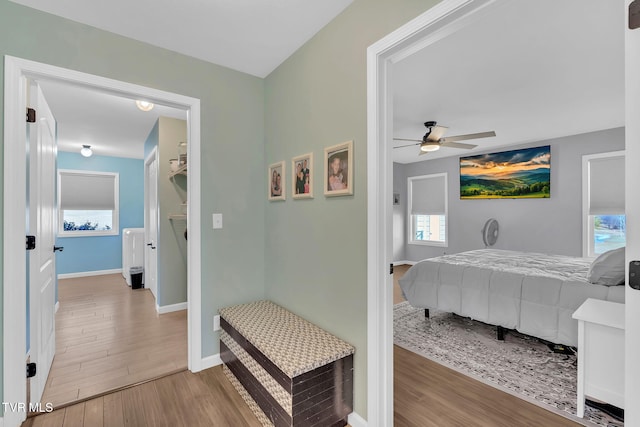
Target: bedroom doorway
[436,24]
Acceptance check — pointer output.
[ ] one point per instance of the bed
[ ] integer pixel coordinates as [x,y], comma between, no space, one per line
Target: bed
[533,293]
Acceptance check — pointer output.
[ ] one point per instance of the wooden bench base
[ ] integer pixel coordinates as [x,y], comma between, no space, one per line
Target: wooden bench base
[319,397]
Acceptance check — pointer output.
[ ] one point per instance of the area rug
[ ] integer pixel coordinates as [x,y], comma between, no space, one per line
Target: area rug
[520,365]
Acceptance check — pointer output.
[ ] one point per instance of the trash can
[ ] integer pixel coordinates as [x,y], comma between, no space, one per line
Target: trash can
[137,281]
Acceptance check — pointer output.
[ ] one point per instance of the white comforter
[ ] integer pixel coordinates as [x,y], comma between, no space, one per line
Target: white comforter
[533,293]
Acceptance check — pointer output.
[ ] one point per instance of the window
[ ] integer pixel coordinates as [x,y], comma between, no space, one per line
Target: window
[428,209]
[603,203]
[87,203]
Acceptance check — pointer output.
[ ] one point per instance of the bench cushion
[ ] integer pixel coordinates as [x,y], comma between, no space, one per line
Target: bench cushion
[292,343]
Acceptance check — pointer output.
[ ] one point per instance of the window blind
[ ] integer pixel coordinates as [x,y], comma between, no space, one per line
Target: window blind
[428,195]
[606,186]
[86,191]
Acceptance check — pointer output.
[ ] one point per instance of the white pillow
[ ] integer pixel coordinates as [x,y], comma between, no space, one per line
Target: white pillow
[608,268]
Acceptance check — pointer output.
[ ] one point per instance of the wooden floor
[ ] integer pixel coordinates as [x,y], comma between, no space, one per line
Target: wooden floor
[429,394]
[426,394]
[183,399]
[109,336]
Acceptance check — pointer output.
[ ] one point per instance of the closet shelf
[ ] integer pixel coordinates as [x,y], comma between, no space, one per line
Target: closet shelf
[178,217]
[182,170]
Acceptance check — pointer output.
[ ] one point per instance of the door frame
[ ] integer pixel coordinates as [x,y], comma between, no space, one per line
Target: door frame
[152,157]
[442,20]
[16,72]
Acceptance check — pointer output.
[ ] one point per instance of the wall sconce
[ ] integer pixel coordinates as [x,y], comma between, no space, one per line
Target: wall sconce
[86,151]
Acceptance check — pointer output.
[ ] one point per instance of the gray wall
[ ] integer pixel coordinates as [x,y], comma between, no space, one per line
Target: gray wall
[551,225]
[316,249]
[232,155]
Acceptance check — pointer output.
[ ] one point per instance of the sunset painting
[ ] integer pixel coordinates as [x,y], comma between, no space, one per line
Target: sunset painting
[515,174]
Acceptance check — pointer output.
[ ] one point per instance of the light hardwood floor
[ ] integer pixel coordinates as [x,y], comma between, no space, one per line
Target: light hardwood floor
[109,336]
[426,394]
[183,399]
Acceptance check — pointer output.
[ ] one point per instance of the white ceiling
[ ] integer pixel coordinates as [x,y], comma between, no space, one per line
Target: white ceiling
[531,70]
[112,125]
[252,36]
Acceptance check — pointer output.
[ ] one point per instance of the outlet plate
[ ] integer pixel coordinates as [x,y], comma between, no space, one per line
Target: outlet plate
[216,323]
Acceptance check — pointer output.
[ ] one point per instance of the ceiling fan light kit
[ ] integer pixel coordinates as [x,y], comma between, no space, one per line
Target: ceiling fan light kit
[434,139]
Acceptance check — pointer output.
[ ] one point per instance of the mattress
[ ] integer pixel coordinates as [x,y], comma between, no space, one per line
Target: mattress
[533,293]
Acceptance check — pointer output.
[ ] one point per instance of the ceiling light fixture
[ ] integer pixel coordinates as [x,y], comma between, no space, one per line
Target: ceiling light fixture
[429,146]
[144,105]
[86,151]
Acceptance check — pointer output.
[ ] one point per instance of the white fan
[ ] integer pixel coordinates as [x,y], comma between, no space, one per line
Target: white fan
[434,139]
[490,232]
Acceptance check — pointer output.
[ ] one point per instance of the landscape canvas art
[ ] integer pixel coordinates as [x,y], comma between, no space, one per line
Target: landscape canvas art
[514,174]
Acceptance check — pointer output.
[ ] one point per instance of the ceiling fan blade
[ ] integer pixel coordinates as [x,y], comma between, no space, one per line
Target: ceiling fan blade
[437,132]
[457,145]
[422,152]
[468,136]
[409,145]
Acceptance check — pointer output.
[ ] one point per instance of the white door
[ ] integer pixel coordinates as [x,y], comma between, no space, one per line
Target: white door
[151,224]
[42,221]
[632,206]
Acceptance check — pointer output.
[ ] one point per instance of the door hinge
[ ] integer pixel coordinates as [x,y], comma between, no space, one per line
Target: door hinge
[31,370]
[390,268]
[31,243]
[31,115]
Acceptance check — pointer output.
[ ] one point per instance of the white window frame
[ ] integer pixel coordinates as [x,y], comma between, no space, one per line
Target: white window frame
[115,226]
[410,217]
[588,250]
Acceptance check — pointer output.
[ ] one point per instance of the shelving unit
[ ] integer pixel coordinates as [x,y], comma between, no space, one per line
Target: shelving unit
[182,170]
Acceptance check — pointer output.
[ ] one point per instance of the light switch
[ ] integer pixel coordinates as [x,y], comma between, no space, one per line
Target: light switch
[216,322]
[217,220]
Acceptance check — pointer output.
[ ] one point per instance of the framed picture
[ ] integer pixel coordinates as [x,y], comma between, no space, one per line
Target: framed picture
[302,176]
[514,174]
[338,169]
[276,182]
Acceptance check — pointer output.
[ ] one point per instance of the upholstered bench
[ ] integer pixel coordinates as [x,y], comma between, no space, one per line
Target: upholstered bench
[288,370]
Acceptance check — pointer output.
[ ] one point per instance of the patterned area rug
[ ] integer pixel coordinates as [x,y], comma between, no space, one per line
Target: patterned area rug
[520,365]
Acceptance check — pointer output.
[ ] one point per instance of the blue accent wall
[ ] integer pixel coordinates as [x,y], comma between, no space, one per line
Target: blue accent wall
[103,252]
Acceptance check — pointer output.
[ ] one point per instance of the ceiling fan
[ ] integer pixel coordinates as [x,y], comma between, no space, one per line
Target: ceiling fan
[433,139]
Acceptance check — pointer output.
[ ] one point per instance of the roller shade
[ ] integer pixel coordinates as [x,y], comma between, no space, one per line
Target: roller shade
[86,191]
[428,195]
[606,186]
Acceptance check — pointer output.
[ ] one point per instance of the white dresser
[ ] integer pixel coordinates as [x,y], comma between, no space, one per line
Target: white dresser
[600,352]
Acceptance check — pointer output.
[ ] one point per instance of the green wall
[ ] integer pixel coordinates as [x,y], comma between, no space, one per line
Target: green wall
[316,250]
[232,155]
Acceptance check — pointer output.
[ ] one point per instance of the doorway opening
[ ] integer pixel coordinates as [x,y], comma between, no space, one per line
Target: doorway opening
[17,72]
[438,23]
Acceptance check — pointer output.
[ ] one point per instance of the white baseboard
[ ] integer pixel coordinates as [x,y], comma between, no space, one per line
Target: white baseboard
[356,420]
[57,306]
[173,307]
[89,273]
[395,263]
[211,361]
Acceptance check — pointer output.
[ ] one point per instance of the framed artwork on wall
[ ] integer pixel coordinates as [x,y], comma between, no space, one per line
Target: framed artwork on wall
[338,169]
[302,176]
[276,182]
[514,174]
